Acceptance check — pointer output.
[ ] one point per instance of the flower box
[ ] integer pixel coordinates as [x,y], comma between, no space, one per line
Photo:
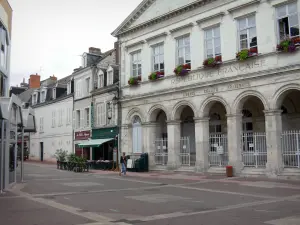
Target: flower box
[156,75]
[246,53]
[134,80]
[288,45]
[182,70]
[212,62]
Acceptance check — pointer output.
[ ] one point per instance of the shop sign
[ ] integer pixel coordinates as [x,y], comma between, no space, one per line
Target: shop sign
[82,135]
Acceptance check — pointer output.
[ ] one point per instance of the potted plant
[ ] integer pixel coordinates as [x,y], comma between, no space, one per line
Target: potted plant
[182,70]
[212,62]
[246,53]
[296,41]
[134,80]
[156,75]
[60,157]
[287,45]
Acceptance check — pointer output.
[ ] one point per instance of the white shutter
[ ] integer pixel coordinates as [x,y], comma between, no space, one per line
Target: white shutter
[81,118]
[74,119]
[139,139]
[134,139]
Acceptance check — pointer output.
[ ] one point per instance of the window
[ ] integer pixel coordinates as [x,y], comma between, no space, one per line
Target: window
[183,50]
[87,85]
[110,113]
[101,80]
[87,117]
[288,21]
[34,99]
[212,42]
[78,118]
[41,124]
[247,33]
[54,93]
[101,116]
[60,117]
[69,88]
[43,96]
[53,118]
[68,121]
[137,135]
[3,45]
[158,58]
[136,64]
[110,77]
[215,126]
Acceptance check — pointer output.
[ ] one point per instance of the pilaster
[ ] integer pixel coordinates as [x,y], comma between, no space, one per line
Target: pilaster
[202,143]
[174,134]
[273,124]
[149,134]
[234,134]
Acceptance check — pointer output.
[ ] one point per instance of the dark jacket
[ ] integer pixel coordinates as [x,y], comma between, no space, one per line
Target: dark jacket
[123,160]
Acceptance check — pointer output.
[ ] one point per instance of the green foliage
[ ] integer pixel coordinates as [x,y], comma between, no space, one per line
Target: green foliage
[243,55]
[61,155]
[210,61]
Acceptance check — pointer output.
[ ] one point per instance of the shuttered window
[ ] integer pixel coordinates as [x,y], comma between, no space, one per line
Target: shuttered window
[137,135]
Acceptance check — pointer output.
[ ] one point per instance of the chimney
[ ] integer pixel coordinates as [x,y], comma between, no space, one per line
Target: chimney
[53,78]
[117,49]
[34,81]
[96,51]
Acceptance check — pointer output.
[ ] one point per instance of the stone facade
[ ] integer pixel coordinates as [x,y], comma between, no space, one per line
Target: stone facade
[241,113]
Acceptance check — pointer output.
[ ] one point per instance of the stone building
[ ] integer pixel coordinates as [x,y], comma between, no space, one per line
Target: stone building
[223,85]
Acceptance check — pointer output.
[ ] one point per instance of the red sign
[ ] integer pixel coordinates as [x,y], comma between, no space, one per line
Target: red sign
[82,135]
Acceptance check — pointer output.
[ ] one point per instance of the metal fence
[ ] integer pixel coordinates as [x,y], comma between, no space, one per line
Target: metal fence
[161,151]
[290,144]
[254,149]
[218,152]
[185,151]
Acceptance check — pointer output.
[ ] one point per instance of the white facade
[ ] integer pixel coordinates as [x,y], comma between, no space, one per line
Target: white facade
[240,113]
[54,129]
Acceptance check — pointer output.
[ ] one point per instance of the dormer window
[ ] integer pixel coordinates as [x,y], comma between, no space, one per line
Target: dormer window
[34,99]
[54,93]
[69,88]
[43,96]
[110,77]
[100,79]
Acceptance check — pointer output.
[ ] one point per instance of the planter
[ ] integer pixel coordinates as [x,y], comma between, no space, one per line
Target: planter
[246,53]
[288,45]
[212,62]
[182,70]
[134,80]
[156,75]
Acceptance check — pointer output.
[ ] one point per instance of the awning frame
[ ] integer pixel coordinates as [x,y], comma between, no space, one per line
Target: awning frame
[94,142]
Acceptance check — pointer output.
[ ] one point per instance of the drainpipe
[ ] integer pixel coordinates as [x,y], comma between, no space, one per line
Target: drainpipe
[2,157]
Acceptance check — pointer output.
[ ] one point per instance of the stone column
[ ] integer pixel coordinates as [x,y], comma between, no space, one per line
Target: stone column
[273,137]
[174,134]
[124,141]
[234,139]
[202,143]
[149,136]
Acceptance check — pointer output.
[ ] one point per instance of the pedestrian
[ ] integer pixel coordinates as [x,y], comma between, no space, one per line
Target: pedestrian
[123,164]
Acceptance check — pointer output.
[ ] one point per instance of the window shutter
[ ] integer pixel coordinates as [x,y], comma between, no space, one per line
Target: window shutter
[74,119]
[81,118]
[134,139]
[139,138]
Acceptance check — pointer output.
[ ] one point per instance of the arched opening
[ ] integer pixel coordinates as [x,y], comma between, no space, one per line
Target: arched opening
[187,141]
[218,152]
[137,135]
[289,104]
[161,137]
[254,144]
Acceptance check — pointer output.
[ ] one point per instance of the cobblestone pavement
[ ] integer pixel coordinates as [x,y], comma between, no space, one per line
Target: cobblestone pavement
[51,196]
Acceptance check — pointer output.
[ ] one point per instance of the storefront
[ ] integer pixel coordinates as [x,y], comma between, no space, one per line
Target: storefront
[108,139]
[82,137]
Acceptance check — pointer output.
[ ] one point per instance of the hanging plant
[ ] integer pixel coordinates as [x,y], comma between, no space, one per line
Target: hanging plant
[182,70]
[288,45]
[246,53]
[212,62]
[156,75]
[134,80]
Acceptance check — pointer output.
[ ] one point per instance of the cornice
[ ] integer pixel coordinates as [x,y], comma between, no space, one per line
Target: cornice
[157,36]
[220,14]
[164,17]
[261,73]
[134,44]
[231,10]
[182,27]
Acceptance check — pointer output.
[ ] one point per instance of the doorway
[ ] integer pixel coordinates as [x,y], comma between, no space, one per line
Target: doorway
[42,151]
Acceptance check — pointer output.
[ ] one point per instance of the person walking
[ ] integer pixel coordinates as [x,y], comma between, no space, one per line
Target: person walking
[123,161]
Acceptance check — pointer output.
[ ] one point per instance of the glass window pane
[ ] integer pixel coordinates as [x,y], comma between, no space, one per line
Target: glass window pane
[155,67]
[281,11]
[218,50]
[187,50]
[139,56]
[156,59]
[243,34]
[292,8]
[209,53]
[187,57]
[251,21]
[156,50]
[180,52]
[134,57]
[134,66]
[162,66]
[244,44]
[161,49]
[242,24]
[187,40]
[294,31]
[140,70]
[217,32]
[209,44]
[253,42]
[293,20]
[217,42]
[252,32]
[180,42]
[208,34]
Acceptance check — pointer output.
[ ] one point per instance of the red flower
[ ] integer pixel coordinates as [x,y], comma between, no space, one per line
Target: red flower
[253,50]
[218,58]
[187,66]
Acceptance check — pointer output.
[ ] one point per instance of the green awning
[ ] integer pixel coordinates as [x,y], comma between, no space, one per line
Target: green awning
[94,142]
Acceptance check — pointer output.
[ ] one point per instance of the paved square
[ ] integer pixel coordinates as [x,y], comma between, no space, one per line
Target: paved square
[156,198]
[295,220]
[82,184]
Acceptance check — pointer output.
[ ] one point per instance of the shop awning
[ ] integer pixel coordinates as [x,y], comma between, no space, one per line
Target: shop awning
[94,142]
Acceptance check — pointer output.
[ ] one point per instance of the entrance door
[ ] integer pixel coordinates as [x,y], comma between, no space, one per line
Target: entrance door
[42,151]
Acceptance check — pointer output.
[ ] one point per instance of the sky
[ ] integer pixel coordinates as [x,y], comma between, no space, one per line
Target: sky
[49,37]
